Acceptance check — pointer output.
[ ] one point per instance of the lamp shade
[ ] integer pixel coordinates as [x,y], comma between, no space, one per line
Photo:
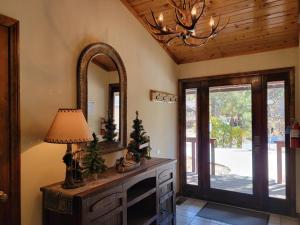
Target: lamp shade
[69,126]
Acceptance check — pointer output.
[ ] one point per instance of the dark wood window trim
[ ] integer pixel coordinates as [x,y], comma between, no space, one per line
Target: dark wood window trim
[14,198]
[200,191]
[112,88]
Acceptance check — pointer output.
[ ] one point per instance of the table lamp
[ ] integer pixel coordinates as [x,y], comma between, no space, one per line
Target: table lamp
[69,127]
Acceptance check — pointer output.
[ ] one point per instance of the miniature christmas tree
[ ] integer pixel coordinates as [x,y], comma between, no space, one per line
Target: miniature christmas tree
[93,162]
[139,138]
[110,127]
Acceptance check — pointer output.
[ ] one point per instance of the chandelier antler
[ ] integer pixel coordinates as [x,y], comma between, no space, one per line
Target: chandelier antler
[187,12]
[157,28]
[186,19]
[183,5]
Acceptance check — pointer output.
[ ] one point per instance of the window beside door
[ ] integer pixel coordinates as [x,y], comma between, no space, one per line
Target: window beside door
[276,139]
[191,153]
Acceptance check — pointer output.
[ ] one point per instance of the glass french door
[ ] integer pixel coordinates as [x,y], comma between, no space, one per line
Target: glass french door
[231,138]
[234,146]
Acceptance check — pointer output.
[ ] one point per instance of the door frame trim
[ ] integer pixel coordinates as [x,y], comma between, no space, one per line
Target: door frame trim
[14,89]
[189,82]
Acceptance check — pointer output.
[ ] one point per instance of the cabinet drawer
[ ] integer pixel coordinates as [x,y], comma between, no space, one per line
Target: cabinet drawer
[165,189]
[165,175]
[166,207]
[103,203]
[113,218]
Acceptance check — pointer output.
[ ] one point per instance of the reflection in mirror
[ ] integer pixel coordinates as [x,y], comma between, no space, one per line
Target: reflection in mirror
[103,87]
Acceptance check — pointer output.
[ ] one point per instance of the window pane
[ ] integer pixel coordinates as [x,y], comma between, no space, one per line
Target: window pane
[116,111]
[276,140]
[230,116]
[191,137]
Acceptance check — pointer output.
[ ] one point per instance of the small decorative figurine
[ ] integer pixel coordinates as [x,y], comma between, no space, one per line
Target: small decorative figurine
[123,165]
[77,168]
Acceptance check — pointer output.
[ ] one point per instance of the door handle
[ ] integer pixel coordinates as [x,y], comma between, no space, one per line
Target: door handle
[3,197]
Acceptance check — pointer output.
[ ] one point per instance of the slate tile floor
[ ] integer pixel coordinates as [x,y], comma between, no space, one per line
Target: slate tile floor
[186,215]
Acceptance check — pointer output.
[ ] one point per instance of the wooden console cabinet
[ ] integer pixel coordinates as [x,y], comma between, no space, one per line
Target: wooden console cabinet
[144,196]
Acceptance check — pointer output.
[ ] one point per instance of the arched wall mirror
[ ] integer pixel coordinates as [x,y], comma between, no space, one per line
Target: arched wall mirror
[102,94]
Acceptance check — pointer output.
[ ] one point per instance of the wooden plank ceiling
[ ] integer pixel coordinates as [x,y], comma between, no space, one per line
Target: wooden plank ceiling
[255,26]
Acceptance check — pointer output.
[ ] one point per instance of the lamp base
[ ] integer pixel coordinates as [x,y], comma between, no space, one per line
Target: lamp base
[68,160]
[69,181]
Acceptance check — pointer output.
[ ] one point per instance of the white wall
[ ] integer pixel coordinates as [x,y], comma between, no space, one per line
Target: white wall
[246,63]
[52,35]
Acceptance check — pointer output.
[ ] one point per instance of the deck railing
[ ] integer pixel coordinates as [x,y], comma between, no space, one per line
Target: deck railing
[193,142]
[279,146]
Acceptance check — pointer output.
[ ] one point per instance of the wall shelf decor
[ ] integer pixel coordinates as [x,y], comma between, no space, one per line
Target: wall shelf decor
[160,96]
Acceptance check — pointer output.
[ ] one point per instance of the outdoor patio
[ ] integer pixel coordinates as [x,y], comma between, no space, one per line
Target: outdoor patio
[231,169]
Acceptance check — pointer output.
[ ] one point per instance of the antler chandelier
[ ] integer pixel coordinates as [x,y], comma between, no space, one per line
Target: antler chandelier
[186,18]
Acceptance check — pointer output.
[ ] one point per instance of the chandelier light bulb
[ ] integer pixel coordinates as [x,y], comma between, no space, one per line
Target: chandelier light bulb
[161,17]
[211,21]
[194,11]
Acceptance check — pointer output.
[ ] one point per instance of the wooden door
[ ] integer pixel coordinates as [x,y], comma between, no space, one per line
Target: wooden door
[9,123]
[231,169]
[234,147]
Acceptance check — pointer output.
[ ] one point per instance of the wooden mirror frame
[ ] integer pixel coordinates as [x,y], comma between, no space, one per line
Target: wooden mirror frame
[85,58]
